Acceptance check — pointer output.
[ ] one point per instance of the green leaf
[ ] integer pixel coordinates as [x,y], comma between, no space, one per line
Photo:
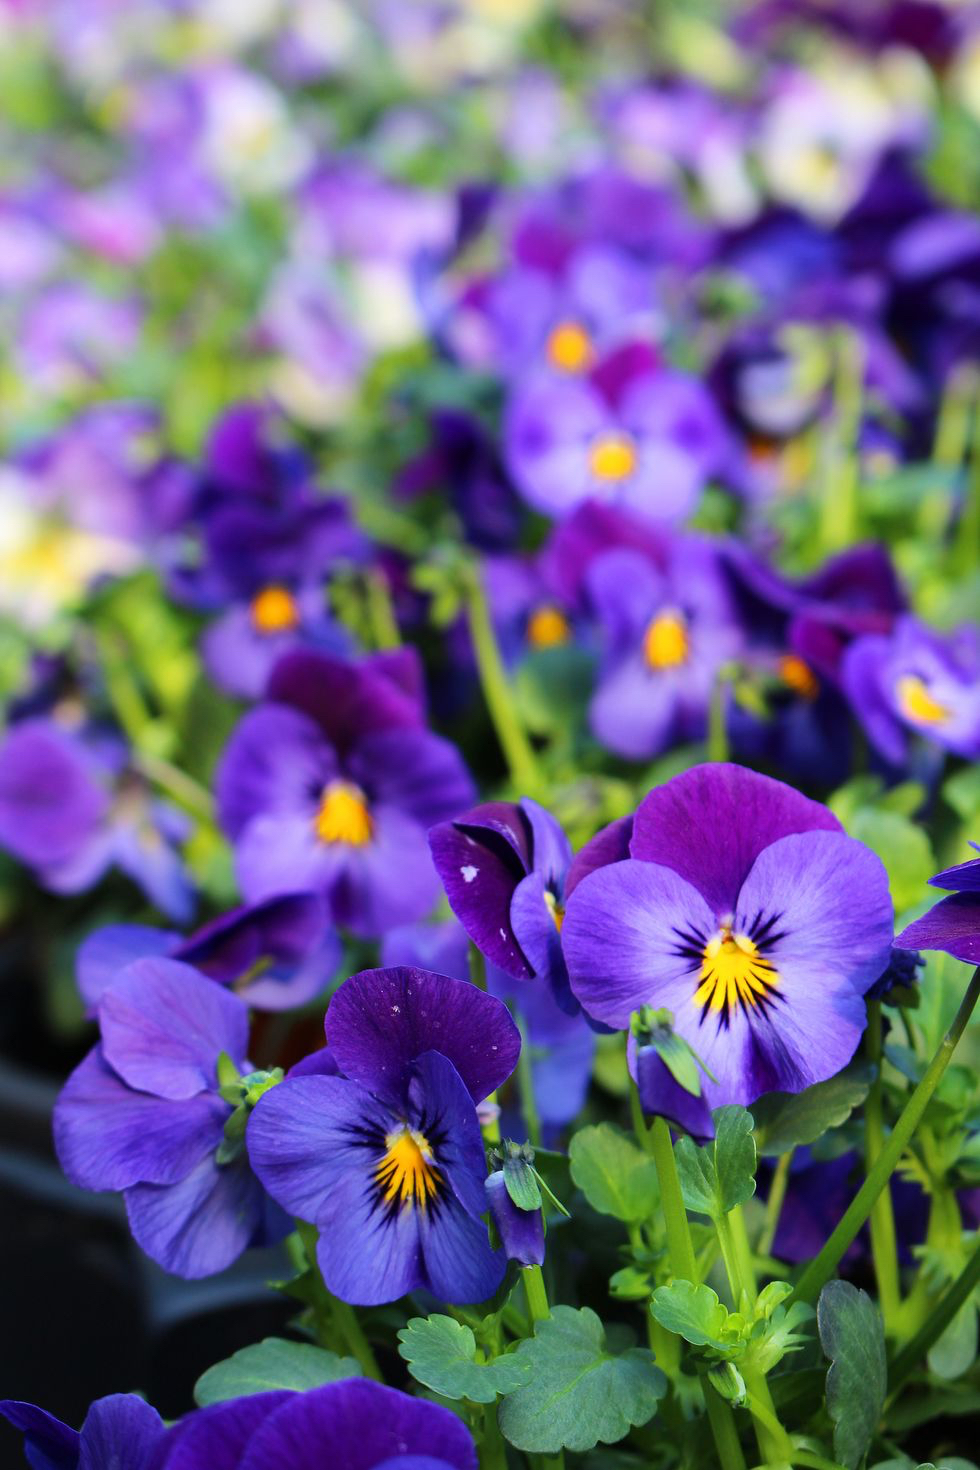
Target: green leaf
[272,1363]
[783,1119]
[579,1394]
[441,1354]
[696,1314]
[962,792]
[902,846]
[955,1351]
[720,1176]
[521,1184]
[854,1341]
[616,1177]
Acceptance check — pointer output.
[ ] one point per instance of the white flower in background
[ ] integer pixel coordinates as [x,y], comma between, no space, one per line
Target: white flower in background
[249,139]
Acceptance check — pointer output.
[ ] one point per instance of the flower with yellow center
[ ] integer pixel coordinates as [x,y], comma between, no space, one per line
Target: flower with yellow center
[666,644]
[554,909]
[407,1173]
[797,675]
[917,704]
[734,972]
[569,348]
[612,457]
[343,815]
[547,627]
[274,610]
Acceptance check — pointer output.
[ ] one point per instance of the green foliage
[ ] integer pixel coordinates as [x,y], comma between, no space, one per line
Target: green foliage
[579,1394]
[720,1176]
[615,1176]
[853,1339]
[272,1363]
[783,1119]
[696,1314]
[883,821]
[442,1354]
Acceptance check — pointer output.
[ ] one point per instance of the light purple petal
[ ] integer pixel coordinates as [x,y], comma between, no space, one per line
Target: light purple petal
[634,710]
[710,823]
[105,953]
[280,853]
[550,847]
[202,1224]
[163,1025]
[108,1137]
[952,925]
[51,804]
[380,1021]
[276,763]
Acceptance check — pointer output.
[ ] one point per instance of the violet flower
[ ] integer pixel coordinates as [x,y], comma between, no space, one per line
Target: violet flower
[121,1430]
[148,1112]
[387,1160]
[745,911]
[953,924]
[354,1423]
[332,784]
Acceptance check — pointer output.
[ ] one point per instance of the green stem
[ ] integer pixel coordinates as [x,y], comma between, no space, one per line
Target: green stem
[839,502]
[381,615]
[936,1323]
[517,749]
[186,792]
[815,1462]
[717,733]
[884,1245]
[534,1290]
[525,1081]
[968,527]
[774,1445]
[774,1204]
[823,1266]
[493,1452]
[342,1313]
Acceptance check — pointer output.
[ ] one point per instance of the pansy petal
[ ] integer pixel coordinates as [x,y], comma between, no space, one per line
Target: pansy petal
[276,763]
[347,700]
[635,710]
[551,850]
[535,925]
[418,772]
[215,1437]
[164,1024]
[122,1430]
[951,925]
[380,1021]
[622,931]
[521,1231]
[107,1136]
[303,1134]
[747,812]
[479,871]
[202,1224]
[106,952]
[358,1424]
[386,881]
[280,853]
[368,1254]
[48,1444]
[441,1108]
[609,845]
[962,878]
[459,1264]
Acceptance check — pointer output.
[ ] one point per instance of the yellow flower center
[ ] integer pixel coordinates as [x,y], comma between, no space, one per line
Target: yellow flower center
[407,1173]
[917,704]
[547,627]
[554,909]
[733,972]
[796,673]
[274,610]
[343,815]
[569,348]
[612,457]
[665,642]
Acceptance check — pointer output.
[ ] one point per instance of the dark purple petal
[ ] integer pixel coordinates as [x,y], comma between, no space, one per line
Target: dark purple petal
[319,1063]
[276,763]
[459,1263]
[163,1025]
[108,1137]
[709,825]
[48,1444]
[121,1430]
[380,1021]
[214,1438]
[550,848]
[106,953]
[357,1425]
[610,845]
[962,878]
[480,870]
[417,772]
[51,804]
[952,925]
[202,1224]
[284,930]
[521,1231]
[347,700]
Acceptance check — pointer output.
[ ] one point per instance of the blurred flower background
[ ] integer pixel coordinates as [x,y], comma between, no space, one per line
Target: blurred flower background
[405,403]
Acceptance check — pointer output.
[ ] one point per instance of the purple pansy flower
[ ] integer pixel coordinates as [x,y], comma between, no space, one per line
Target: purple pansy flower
[630,432]
[355,1424]
[275,954]
[387,1160]
[332,784]
[70,811]
[121,1430]
[503,867]
[953,924]
[145,1113]
[920,681]
[667,633]
[521,1231]
[745,911]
